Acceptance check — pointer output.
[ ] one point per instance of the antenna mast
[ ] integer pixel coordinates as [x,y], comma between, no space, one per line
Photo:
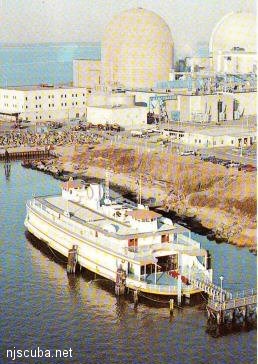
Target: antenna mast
[106,194]
[139,182]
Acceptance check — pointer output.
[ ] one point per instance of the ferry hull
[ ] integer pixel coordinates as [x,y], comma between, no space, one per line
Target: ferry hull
[92,256]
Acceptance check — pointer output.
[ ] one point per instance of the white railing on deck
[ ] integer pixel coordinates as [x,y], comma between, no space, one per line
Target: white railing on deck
[150,287]
[186,240]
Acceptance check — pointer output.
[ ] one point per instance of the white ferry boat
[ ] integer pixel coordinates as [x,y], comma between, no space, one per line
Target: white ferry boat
[130,245]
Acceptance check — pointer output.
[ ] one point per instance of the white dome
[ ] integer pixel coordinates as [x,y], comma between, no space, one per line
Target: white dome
[234,30]
[136,49]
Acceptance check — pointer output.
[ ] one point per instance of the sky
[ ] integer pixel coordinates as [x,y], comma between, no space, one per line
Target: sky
[35,21]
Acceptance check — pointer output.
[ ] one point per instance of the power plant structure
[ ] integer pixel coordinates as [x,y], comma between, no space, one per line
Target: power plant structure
[135,80]
[233,44]
[137,50]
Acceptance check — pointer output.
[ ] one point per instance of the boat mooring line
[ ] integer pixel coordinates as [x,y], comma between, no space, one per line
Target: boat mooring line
[152,299]
[62,261]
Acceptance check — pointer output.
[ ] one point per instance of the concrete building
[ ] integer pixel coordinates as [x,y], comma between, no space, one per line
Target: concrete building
[86,73]
[213,107]
[198,64]
[233,44]
[42,103]
[137,50]
[126,116]
[116,108]
[219,137]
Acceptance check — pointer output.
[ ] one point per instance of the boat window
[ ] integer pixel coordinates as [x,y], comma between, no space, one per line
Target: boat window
[147,269]
[132,244]
[165,238]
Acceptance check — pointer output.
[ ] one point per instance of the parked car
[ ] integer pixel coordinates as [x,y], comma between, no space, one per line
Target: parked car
[188,152]
[233,165]
[247,168]
[225,162]
[136,133]
[204,157]
[212,159]
[218,160]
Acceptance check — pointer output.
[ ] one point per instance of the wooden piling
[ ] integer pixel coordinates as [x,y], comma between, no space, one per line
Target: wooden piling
[135,298]
[72,259]
[120,282]
[179,290]
[171,306]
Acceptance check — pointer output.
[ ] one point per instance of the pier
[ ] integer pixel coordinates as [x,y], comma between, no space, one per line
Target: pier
[237,312]
[24,154]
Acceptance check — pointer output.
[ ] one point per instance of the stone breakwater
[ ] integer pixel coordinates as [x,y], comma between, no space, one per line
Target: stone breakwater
[28,138]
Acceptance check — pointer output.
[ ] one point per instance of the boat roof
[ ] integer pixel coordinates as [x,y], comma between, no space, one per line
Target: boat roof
[143,214]
[72,184]
[103,223]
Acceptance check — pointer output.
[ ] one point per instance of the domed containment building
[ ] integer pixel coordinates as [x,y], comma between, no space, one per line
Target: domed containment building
[233,43]
[137,50]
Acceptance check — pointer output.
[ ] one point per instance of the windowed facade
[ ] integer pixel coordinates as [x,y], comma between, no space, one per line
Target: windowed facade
[28,103]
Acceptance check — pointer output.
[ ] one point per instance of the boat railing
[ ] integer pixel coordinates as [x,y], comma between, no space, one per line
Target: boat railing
[133,281]
[145,251]
[186,240]
[194,272]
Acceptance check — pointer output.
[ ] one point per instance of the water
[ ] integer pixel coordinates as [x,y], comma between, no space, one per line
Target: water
[42,63]
[42,307]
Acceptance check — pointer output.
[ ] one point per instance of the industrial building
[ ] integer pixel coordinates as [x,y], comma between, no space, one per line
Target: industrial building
[214,108]
[135,76]
[118,108]
[219,137]
[42,103]
[233,44]
[86,73]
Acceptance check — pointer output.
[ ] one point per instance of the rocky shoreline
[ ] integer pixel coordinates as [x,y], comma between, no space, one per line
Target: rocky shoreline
[222,233]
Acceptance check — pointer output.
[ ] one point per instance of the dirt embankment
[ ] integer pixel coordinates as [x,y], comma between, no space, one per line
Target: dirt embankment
[224,200]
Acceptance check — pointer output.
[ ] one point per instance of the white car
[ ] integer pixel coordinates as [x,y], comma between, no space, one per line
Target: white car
[188,152]
[137,133]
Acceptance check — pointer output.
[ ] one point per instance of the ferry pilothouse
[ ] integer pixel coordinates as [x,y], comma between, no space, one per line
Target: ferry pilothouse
[129,244]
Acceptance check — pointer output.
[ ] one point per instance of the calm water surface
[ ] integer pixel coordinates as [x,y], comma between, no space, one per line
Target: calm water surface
[31,64]
[42,307]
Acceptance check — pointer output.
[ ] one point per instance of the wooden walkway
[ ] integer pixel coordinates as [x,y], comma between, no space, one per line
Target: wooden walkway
[210,288]
[225,307]
[216,306]
[24,155]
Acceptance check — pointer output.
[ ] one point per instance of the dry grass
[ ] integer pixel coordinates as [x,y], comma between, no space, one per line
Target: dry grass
[212,190]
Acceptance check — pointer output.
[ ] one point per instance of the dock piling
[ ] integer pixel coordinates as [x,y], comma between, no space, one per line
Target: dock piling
[72,259]
[135,298]
[120,282]
[179,290]
[171,306]
[232,313]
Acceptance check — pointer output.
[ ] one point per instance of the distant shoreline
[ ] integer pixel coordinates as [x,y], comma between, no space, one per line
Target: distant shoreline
[14,45]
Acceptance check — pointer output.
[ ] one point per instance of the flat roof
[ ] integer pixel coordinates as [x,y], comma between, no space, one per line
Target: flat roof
[41,87]
[143,214]
[110,107]
[99,221]
[222,131]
